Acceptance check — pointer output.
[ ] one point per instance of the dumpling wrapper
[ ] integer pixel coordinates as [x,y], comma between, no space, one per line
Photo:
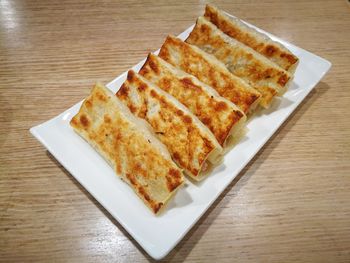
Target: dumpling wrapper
[265,76]
[191,144]
[221,116]
[233,27]
[210,71]
[128,145]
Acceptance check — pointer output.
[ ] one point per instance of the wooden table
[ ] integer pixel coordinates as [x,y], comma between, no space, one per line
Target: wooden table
[291,203]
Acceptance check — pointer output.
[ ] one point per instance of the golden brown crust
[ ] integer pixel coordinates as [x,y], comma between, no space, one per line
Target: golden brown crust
[210,71]
[252,38]
[184,137]
[218,114]
[268,78]
[103,121]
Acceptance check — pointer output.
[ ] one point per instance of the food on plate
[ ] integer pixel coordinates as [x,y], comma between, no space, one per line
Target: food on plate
[210,71]
[129,146]
[249,36]
[221,116]
[186,107]
[265,76]
[191,144]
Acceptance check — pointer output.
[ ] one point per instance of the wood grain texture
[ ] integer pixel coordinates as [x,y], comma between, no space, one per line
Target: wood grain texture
[291,203]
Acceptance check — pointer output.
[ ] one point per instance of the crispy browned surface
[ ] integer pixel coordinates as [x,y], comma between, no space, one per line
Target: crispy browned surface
[210,71]
[186,142]
[217,114]
[270,49]
[245,63]
[134,158]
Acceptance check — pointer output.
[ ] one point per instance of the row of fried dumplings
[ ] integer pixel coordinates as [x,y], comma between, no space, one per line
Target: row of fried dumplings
[178,112]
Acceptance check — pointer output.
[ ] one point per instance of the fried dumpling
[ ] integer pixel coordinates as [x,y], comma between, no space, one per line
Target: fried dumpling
[191,144]
[265,76]
[129,146]
[222,117]
[258,41]
[210,71]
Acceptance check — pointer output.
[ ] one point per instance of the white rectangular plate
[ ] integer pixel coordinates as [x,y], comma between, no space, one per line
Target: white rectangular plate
[159,234]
